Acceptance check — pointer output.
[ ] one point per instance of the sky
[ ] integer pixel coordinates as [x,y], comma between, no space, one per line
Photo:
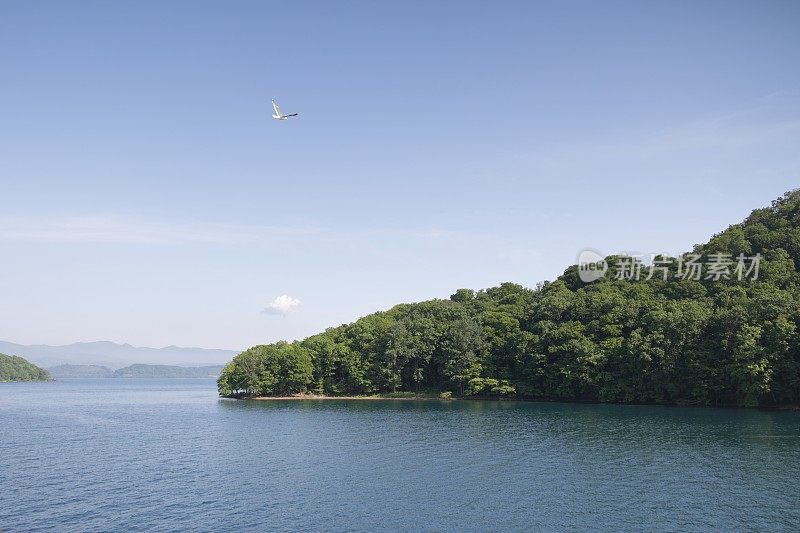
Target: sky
[147,197]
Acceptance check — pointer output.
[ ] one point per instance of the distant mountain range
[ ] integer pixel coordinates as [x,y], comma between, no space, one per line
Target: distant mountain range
[134,371]
[115,356]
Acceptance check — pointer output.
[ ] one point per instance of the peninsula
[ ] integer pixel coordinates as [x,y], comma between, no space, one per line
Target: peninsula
[684,337]
[14,368]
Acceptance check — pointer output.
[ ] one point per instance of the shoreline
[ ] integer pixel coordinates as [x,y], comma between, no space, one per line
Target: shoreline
[304,397]
[314,397]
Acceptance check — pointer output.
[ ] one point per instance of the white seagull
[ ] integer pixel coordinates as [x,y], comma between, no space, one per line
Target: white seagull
[278,115]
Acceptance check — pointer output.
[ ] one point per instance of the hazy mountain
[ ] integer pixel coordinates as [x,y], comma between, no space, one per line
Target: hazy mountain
[134,371]
[80,371]
[168,371]
[114,356]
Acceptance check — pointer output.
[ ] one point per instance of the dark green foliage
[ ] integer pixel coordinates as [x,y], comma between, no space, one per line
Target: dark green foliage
[13,368]
[677,341]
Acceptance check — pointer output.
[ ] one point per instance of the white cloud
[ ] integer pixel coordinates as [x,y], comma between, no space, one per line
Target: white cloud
[282,305]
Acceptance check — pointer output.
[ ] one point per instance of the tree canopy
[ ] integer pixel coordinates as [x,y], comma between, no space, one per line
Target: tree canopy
[14,368]
[666,339]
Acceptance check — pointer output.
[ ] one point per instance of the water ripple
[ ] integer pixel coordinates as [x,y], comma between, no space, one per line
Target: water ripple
[131,455]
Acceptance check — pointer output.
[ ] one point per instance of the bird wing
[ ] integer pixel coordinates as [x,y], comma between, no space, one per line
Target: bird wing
[292,115]
[276,108]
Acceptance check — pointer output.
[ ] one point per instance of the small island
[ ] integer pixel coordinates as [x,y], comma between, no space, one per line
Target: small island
[14,368]
[69,371]
[167,371]
[137,370]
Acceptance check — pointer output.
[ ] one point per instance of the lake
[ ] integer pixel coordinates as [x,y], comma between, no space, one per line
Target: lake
[116,454]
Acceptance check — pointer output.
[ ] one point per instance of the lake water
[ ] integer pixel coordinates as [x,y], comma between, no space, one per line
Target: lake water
[168,455]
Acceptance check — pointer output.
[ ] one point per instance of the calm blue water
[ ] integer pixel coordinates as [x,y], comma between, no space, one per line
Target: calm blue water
[168,455]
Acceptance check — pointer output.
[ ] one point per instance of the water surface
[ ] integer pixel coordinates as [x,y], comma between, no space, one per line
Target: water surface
[114,454]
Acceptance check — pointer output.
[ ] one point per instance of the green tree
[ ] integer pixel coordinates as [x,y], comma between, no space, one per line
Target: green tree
[463,348]
[267,370]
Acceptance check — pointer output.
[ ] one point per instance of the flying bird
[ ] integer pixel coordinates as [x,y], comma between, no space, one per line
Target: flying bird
[278,115]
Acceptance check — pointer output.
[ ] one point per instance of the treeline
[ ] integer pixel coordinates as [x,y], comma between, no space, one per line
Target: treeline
[14,368]
[675,340]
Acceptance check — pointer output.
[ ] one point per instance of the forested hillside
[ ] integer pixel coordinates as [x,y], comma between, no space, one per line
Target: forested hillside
[167,371]
[13,368]
[677,340]
[79,371]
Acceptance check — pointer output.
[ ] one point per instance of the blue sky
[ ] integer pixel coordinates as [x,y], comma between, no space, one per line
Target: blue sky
[147,197]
